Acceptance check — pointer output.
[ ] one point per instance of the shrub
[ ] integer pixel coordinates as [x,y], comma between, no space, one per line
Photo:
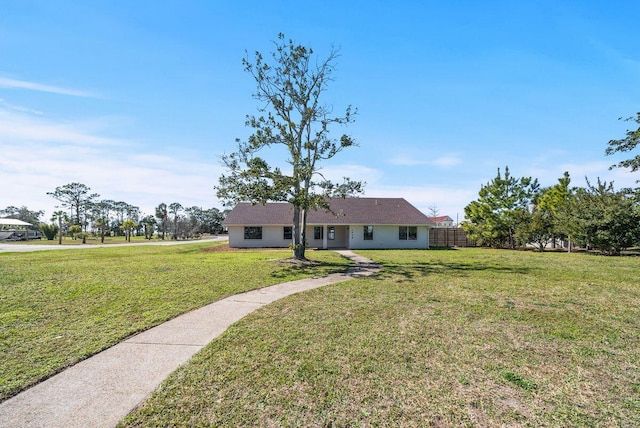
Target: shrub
[49,231]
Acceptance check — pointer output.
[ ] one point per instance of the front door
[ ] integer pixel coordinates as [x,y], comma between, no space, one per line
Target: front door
[337,236]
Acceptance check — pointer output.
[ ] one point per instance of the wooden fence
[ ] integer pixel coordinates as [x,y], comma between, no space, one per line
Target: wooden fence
[449,237]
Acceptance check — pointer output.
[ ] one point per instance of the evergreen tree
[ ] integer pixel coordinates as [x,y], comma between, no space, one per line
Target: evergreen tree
[501,207]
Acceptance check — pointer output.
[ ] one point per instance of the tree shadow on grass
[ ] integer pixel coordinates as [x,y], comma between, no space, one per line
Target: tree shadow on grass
[312,269]
[406,272]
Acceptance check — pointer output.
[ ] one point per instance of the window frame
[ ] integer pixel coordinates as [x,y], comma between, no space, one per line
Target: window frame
[331,233]
[407,233]
[318,232]
[287,233]
[367,234]
[253,232]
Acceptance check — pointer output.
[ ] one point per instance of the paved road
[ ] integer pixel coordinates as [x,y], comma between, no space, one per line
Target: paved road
[103,389]
[21,248]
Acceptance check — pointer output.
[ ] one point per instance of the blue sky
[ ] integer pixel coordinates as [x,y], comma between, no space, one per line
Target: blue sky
[138,100]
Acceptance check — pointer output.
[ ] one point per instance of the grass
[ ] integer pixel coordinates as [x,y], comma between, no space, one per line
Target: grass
[93,240]
[59,307]
[438,338]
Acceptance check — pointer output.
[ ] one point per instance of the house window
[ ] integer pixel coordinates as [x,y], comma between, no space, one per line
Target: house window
[368,233]
[408,233]
[253,232]
[413,233]
[287,232]
[331,233]
[318,232]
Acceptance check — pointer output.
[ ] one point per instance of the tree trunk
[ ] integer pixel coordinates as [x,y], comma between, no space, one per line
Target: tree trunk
[303,233]
[298,235]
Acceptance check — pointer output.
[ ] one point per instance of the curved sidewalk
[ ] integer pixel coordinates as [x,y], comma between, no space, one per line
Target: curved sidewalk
[103,389]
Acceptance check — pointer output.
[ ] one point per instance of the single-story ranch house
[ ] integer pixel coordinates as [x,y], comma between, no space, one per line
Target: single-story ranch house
[353,223]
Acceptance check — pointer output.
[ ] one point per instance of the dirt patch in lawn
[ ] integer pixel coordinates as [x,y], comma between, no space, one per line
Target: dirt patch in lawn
[305,262]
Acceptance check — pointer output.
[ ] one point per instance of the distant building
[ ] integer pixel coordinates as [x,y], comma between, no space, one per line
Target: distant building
[441,221]
[17,230]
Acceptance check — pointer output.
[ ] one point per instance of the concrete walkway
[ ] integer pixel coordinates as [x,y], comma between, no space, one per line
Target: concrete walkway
[103,389]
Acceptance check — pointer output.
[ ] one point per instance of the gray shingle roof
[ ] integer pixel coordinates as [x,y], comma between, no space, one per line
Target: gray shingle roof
[369,211]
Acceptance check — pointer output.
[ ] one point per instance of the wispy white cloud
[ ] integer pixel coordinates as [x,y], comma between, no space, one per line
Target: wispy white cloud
[20,109]
[549,174]
[21,127]
[444,161]
[9,83]
[407,161]
[352,171]
[34,169]
[447,161]
[38,156]
[589,169]
[600,169]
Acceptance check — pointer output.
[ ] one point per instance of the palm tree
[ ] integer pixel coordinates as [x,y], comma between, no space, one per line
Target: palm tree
[74,229]
[101,223]
[59,215]
[127,225]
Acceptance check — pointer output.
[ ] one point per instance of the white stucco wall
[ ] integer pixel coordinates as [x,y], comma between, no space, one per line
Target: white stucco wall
[384,237]
[272,237]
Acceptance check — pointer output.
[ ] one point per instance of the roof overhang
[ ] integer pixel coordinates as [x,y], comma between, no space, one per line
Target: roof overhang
[13,222]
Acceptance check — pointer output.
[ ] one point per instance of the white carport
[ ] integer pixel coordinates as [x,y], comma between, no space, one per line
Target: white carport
[15,223]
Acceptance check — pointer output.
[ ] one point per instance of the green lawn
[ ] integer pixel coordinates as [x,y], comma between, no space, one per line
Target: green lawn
[59,307]
[439,338]
[96,240]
